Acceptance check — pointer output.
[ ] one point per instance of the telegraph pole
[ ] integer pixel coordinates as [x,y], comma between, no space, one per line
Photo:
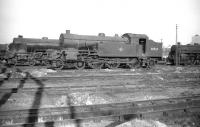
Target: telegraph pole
[177,61]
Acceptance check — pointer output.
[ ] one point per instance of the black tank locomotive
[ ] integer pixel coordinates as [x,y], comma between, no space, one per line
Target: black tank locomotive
[131,50]
[184,54]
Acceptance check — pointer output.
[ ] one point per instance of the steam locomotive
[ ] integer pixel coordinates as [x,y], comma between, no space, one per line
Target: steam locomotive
[185,54]
[30,51]
[131,50]
[3,50]
[72,50]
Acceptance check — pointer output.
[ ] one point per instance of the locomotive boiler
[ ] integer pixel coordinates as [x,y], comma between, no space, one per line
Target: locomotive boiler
[99,51]
[21,44]
[68,40]
[184,54]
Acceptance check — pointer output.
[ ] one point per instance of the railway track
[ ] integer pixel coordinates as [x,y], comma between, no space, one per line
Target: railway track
[117,111]
[50,116]
[128,87]
[105,76]
[80,74]
[69,83]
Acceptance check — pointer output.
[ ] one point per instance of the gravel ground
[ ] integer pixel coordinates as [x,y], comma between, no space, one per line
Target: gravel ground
[100,95]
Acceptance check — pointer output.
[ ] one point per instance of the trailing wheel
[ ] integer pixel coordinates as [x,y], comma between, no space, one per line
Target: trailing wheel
[134,63]
[112,65]
[79,65]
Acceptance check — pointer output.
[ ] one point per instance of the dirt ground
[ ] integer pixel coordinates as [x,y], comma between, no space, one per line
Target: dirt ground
[149,84]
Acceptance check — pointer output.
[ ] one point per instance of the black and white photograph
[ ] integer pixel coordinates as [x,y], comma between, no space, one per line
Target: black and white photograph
[99,63]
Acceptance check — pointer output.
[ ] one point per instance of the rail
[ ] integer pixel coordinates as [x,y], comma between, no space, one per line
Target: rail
[78,113]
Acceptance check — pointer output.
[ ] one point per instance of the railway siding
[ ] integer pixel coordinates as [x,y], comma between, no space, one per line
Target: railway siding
[54,98]
[97,111]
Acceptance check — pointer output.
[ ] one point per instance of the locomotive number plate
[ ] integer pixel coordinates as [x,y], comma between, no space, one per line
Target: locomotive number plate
[154,49]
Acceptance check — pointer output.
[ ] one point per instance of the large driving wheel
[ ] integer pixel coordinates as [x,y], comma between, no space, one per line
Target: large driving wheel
[79,65]
[32,62]
[58,64]
[112,65]
[134,63]
[95,64]
[47,63]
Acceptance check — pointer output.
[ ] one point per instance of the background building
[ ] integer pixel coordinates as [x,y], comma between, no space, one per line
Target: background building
[166,52]
[196,39]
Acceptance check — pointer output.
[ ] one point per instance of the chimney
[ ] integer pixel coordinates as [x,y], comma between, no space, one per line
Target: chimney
[101,35]
[67,31]
[44,38]
[116,35]
[20,36]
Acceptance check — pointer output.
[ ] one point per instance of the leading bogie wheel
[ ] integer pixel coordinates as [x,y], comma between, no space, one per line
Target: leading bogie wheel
[134,63]
[59,64]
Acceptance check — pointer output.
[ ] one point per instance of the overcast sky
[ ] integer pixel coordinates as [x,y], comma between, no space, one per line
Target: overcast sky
[49,18]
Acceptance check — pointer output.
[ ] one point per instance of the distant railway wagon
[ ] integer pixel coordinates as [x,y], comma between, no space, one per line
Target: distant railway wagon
[185,54]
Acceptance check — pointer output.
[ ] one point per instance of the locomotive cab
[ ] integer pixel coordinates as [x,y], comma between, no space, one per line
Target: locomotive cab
[145,48]
[139,41]
[142,45]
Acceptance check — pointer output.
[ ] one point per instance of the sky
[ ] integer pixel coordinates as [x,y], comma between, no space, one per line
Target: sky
[48,18]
